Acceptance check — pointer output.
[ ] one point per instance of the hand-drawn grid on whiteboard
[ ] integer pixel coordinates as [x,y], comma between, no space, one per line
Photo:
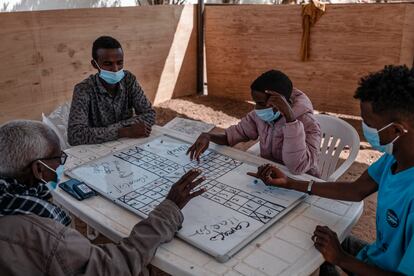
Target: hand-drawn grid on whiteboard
[213,164]
[234,209]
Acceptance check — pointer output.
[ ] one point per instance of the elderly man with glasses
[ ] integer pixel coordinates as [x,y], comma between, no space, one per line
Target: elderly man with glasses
[34,237]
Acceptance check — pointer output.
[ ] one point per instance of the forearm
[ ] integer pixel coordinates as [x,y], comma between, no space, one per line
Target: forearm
[148,117]
[333,190]
[160,227]
[82,134]
[142,106]
[220,139]
[357,190]
[134,253]
[352,264]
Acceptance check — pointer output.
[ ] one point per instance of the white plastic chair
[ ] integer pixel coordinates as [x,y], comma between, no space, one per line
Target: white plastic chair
[336,136]
[58,121]
[255,149]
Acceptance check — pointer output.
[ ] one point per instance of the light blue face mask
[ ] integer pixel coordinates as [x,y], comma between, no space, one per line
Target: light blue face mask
[267,114]
[372,136]
[109,76]
[59,173]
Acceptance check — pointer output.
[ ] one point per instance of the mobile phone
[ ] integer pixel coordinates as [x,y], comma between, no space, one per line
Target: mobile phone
[77,189]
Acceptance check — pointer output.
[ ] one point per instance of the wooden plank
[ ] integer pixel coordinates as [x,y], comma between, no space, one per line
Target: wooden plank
[407,41]
[348,42]
[48,52]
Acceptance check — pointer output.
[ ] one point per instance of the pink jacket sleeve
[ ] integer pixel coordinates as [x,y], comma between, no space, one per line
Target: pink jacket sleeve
[244,131]
[301,144]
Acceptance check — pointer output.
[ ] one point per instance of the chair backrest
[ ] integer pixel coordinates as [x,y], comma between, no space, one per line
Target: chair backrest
[58,121]
[336,135]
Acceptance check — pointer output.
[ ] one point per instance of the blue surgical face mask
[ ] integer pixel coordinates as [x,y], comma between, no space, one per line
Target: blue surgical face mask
[372,136]
[59,173]
[267,114]
[109,76]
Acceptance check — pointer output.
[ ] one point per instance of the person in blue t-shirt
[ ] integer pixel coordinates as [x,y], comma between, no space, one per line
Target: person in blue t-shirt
[387,109]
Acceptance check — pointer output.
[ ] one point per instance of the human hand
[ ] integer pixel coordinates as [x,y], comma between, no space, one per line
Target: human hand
[199,146]
[326,241]
[136,130]
[180,192]
[280,103]
[271,176]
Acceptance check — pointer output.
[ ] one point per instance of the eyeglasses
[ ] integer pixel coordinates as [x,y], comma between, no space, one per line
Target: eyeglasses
[62,158]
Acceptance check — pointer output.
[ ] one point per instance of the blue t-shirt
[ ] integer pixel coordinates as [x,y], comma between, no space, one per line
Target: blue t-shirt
[393,249]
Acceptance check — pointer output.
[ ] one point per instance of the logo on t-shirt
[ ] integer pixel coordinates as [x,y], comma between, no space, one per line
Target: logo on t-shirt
[392,218]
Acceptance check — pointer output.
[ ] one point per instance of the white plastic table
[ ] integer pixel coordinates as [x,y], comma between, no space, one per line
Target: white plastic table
[285,248]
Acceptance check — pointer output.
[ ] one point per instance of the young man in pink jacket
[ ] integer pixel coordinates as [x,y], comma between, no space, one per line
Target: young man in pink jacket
[282,121]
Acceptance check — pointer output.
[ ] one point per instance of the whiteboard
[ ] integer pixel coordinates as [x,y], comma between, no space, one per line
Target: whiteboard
[235,209]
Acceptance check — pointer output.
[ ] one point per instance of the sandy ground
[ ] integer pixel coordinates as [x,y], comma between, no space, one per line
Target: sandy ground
[224,112]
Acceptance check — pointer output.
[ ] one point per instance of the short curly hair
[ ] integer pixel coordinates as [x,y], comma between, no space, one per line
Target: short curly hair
[273,80]
[390,90]
[104,42]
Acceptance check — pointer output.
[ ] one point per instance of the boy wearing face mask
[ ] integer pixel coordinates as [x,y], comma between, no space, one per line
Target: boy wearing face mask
[282,121]
[387,110]
[110,104]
